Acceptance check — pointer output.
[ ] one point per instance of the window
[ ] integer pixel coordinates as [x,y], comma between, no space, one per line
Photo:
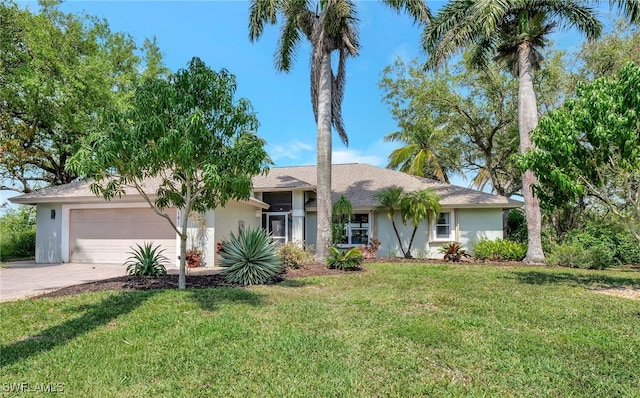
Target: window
[357,230]
[443,227]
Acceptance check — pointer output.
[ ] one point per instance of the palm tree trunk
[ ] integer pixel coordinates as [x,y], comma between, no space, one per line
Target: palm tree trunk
[407,254]
[527,122]
[324,159]
[395,229]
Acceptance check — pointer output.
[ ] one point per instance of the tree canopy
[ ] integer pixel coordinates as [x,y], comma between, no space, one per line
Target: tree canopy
[591,146]
[512,32]
[187,132]
[57,72]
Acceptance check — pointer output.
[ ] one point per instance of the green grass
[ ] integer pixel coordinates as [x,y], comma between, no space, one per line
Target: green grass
[396,330]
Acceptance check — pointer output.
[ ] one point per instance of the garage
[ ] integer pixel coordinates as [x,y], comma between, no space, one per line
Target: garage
[107,235]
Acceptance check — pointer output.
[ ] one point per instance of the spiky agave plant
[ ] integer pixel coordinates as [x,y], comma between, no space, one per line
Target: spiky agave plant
[250,258]
[147,260]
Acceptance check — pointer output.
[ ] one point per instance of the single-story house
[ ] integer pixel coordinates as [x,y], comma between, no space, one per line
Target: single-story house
[73,225]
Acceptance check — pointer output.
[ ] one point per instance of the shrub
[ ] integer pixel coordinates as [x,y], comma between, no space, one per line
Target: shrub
[453,251]
[18,233]
[293,256]
[567,255]
[371,250]
[517,226]
[499,250]
[194,257]
[147,261]
[349,260]
[250,258]
[576,255]
[618,242]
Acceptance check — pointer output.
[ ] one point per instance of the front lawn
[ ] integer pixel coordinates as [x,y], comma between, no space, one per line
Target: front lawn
[395,330]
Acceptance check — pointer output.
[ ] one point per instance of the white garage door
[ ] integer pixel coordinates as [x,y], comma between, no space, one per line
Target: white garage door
[107,235]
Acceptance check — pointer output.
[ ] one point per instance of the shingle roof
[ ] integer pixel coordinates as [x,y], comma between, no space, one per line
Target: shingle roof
[80,191]
[358,182]
[361,182]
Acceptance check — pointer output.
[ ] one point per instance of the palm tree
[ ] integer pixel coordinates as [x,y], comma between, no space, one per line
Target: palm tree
[422,154]
[512,31]
[389,200]
[330,26]
[416,207]
[342,211]
[629,8]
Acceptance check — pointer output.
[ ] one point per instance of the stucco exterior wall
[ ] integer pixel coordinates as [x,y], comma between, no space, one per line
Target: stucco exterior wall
[48,234]
[476,224]
[227,220]
[311,225]
[390,247]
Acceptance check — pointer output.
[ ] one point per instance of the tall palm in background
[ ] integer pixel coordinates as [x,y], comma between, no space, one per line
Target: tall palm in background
[423,154]
[330,26]
[512,32]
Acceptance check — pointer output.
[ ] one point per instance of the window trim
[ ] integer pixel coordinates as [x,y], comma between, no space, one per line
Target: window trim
[348,228]
[452,227]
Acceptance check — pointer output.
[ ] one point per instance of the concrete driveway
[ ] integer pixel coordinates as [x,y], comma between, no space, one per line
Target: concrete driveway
[23,279]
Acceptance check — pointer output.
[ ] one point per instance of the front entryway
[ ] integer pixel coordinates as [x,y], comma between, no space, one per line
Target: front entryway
[278,224]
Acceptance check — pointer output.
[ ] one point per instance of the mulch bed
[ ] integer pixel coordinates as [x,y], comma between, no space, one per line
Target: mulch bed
[133,283]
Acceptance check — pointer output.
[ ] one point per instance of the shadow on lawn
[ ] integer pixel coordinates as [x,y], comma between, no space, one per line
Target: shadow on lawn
[542,278]
[212,299]
[90,317]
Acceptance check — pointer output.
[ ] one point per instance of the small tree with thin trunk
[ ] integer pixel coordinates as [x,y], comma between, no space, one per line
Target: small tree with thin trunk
[342,211]
[189,135]
[389,200]
[416,207]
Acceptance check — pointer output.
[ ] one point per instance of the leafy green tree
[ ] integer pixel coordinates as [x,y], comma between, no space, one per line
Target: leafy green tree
[591,147]
[57,71]
[189,135]
[330,26]
[606,56]
[475,112]
[416,207]
[18,233]
[511,32]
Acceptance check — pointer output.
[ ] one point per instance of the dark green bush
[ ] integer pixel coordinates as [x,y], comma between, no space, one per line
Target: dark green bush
[453,251]
[18,233]
[613,236]
[147,261]
[499,250]
[348,260]
[576,255]
[250,258]
[293,256]
[517,226]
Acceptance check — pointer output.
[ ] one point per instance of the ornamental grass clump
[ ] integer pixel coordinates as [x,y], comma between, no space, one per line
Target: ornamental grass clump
[147,261]
[250,258]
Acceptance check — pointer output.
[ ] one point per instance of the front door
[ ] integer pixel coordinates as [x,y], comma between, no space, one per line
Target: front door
[277,225]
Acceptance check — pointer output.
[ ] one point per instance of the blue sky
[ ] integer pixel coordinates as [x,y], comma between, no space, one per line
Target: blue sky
[216,31]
